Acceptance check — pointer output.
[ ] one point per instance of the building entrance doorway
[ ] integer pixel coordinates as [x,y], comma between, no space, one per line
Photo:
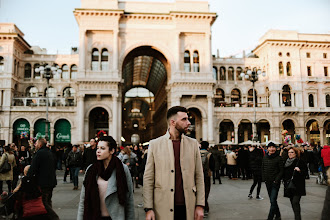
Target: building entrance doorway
[98,123]
[144,97]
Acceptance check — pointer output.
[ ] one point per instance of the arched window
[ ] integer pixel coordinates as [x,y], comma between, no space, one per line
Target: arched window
[69,92]
[222,73]
[267,97]
[235,96]
[286,95]
[231,73]
[219,98]
[65,72]
[196,61]
[2,64]
[36,74]
[74,70]
[104,60]
[215,73]
[51,92]
[15,67]
[95,59]
[32,92]
[27,71]
[187,61]
[280,68]
[327,100]
[250,96]
[288,69]
[238,73]
[310,100]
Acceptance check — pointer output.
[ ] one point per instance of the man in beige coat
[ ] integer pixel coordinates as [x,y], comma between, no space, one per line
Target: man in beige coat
[173,186]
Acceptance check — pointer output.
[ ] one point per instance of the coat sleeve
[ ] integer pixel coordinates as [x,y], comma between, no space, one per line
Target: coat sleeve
[129,208]
[149,179]
[2,160]
[80,215]
[34,165]
[199,178]
[281,169]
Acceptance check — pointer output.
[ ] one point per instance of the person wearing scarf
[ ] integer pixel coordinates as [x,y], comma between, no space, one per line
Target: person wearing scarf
[107,191]
[296,168]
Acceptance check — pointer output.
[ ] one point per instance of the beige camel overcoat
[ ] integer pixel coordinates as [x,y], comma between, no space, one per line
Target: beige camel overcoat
[159,177]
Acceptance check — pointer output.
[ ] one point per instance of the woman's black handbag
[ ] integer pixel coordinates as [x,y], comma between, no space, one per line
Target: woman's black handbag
[6,167]
[289,186]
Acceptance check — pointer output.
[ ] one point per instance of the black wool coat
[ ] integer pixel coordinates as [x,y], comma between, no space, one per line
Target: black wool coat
[298,178]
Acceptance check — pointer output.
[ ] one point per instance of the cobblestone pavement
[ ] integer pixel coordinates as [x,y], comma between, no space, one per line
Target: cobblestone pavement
[227,201]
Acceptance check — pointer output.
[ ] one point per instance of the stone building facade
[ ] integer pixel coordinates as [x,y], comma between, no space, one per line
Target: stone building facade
[135,60]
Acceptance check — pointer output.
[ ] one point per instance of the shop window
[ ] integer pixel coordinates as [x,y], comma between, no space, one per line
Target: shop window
[222,73]
[74,70]
[310,100]
[95,59]
[27,71]
[309,71]
[187,61]
[105,60]
[288,69]
[196,61]
[280,68]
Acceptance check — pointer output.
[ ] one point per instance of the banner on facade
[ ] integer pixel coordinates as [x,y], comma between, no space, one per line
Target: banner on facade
[39,129]
[62,131]
[21,126]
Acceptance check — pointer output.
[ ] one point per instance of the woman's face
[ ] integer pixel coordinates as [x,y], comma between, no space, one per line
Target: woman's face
[292,154]
[103,152]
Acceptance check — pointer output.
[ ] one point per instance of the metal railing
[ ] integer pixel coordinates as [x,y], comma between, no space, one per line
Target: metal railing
[42,102]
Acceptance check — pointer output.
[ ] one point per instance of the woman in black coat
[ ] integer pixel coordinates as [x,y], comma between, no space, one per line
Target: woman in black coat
[296,168]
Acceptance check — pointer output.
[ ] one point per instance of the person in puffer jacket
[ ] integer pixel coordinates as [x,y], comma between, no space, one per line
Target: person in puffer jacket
[74,163]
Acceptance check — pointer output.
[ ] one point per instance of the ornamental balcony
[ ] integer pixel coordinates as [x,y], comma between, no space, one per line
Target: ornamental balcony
[35,102]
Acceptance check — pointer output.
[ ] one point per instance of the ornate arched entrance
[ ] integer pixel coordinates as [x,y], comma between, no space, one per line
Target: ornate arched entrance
[196,127]
[313,132]
[145,72]
[98,123]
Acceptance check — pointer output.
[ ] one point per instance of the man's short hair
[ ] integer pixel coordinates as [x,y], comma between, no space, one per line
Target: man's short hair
[270,144]
[43,142]
[204,145]
[174,110]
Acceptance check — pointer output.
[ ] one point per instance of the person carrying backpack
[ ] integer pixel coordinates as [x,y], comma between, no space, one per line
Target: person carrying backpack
[205,155]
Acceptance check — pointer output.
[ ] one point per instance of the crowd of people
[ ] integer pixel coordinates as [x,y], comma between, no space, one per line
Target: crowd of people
[176,173]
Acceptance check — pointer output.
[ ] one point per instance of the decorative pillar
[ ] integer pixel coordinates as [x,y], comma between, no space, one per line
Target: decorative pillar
[114,116]
[177,50]
[1,91]
[80,118]
[210,118]
[293,102]
[120,124]
[236,134]
[52,135]
[204,127]
[115,52]
[321,136]
[31,132]
[82,51]
[207,64]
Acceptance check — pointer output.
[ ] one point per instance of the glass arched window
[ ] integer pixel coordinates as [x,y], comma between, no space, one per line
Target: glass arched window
[222,73]
[327,100]
[250,96]
[51,92]
[310,100]
[36,74]
[27,71]
[17,68]
[105,60]
[280,68]
[219,98]
[235,96]
[32,92]
[65,72]
[215,73]
[286,95]
[74,70]
[238,73]
[2,64]
[187,61]
[288,69]
[196,61]
[231,73]
[69,92]
[95,59]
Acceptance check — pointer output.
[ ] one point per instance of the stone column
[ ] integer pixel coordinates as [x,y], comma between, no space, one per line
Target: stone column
[31,132]
[177,50]
[321,136]
[210,118]
[236,134]
[293,103]
[82,52]
[207,64]
[115,52]
[204,127]
[80,118]
[52,135]
[120,124]
[114,116]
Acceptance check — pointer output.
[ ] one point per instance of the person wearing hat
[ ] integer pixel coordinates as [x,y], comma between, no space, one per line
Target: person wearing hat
[272,172]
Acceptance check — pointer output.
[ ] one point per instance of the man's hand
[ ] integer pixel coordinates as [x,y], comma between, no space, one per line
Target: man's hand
[150,215]
[199,213]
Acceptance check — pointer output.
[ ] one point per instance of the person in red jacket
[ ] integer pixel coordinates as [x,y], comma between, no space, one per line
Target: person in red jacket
[325,154]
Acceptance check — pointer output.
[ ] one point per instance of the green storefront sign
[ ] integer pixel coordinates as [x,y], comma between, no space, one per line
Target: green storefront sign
[62,131]
[40,127]
[21,126]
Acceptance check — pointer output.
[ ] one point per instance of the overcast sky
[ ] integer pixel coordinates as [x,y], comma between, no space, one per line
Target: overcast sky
[50,24]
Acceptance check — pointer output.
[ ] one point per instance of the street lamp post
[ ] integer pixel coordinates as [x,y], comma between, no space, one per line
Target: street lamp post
[47,71]
[252,76]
